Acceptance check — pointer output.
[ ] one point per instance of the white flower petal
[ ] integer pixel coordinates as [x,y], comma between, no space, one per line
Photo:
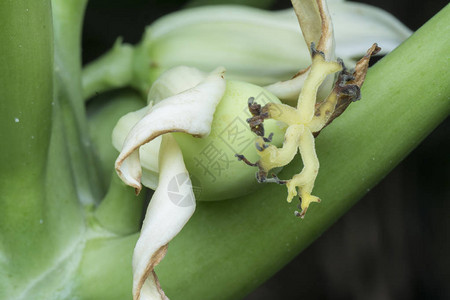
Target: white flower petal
[316,25]
[288,90]
[171,82]
[358,25]
[149,152]
[165,217]
[125,124]
[174,81]
[149,177]
[190,111]
[317,28]
[236,36]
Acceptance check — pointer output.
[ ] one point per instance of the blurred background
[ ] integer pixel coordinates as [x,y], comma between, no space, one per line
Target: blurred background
[395,242]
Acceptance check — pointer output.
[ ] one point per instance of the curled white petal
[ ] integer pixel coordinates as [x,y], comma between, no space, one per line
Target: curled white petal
[288,90]
[171,82]
[174,81]
[149,152]
[171,206]
[315,22]
[190,111]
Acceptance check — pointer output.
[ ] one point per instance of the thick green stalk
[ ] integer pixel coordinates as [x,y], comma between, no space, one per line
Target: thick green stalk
[46,172]
[67,21]
[26,91]
[120,211]
[103,114]
[105,269]
[26,60]
[230,247]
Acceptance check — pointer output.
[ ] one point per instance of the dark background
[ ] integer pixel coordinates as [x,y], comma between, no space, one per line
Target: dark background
[393,244]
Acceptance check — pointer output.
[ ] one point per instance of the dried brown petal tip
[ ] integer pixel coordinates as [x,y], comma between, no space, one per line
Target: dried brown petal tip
[363,64]
[314,50]
[245,160]
[259,114]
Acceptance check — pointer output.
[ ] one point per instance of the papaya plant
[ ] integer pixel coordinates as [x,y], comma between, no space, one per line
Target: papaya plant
[68,225]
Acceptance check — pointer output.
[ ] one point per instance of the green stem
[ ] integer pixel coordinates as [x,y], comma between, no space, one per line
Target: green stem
[25,87]
[26,91]
[110,71]
[120,211]
[67,20]
[47,167]
[107,260]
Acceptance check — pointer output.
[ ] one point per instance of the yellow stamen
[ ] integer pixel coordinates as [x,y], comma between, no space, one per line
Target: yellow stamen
[302,122]
[307,99]
[273,157]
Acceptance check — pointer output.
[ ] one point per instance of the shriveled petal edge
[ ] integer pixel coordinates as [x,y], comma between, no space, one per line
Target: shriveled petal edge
[342,87]
[164,219]
[315,22]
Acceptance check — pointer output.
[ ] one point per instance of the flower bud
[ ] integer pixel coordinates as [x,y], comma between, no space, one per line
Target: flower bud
[254,45]
[215,170]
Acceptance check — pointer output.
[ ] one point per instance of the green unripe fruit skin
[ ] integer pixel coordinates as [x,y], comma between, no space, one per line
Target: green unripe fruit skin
[215,171]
